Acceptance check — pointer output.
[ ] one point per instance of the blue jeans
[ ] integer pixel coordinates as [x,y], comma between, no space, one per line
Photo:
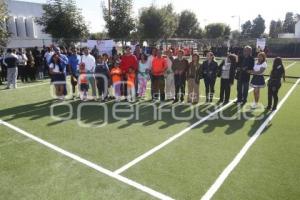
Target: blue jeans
[242,89]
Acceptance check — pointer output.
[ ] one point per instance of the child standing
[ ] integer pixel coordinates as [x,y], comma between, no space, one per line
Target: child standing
[102,76]
[83,82]
[116,76]
[131,75]
[143,76]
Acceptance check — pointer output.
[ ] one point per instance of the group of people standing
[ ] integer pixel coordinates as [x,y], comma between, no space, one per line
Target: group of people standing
[115,76]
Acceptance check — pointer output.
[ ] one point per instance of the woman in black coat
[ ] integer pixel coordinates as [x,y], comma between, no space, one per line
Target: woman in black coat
[210,68]
[227,73]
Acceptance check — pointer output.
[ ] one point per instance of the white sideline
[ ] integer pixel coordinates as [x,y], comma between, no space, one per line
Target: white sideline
[222,177]
[28,86]
[176,136]
[89,164]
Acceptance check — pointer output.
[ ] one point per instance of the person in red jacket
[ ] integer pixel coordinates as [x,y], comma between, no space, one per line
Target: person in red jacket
[128,61]
[159,66]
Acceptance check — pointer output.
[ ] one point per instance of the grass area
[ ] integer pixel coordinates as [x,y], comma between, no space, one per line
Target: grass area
[184,169]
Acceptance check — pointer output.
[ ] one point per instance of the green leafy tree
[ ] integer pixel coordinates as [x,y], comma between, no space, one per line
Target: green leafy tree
[119,20]
[258,27]
[63,21]
[188,25]
[3,30]
[289,23]
[98,36]
[170,21]
[246,29]
[217,30]
[275,28]
[157,23]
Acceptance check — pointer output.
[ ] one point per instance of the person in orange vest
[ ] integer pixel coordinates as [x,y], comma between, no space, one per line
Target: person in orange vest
[116,77]
[158,69]
[131,75]
[83,82]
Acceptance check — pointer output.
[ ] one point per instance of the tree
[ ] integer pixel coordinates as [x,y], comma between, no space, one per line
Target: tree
[275,28]
[170,20]
[289,23]
[63,21]
[3,30]
[98,36]
[157,23]
[217,30]
[188,26]
[119,20]
[246,29]
[258,27]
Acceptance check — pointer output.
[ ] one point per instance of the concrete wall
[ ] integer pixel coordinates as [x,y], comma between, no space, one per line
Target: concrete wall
[297,29]
[25,31]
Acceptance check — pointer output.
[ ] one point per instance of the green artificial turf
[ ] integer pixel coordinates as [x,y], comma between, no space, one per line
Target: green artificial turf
[184,169]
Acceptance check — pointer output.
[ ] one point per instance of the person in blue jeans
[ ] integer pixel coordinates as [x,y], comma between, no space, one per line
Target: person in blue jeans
[210,69]
[246,64]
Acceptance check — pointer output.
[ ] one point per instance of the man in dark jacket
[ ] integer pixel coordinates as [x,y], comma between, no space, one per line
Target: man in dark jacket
[246,63]
[11,62]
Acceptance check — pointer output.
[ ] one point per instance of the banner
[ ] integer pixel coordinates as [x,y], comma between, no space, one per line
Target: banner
[103,46]
[261,43]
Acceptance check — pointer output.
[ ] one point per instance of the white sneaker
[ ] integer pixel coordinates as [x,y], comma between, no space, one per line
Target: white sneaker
[254,105]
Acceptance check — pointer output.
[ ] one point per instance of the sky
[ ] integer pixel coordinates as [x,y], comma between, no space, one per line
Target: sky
[225,11]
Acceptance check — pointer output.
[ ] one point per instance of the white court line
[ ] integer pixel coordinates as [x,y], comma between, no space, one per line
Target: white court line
[26,86]
[222,177]
[176,136]
[89,163]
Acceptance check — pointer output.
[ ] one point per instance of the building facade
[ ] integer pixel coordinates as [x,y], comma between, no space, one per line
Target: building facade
[25,32]
[295,35]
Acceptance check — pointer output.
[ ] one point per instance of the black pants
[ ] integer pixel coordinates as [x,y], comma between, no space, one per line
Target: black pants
[158,87]
[209,88]
[23,73]
[102,90]
[225,90]
[242,89]
[179,87]
[273,94]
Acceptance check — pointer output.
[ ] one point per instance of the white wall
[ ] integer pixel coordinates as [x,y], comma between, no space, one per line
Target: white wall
[25,31]
[297,29]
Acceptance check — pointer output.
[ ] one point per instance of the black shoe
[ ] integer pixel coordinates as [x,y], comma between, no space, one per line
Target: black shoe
[268,108]
[225,103]
[175,101]
[220,102]
[274,108]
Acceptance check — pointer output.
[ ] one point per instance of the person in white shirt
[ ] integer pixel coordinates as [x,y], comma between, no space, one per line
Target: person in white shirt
[169,77]
[22,65]
[258,80]
[90,64]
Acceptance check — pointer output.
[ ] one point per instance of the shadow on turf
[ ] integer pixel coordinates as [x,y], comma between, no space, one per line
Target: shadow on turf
[94,117]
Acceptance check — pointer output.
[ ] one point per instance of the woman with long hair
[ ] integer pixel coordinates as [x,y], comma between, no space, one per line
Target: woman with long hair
[258,80]
[210,68]
[274,83]
[57,72]
[193,85]
[227,72]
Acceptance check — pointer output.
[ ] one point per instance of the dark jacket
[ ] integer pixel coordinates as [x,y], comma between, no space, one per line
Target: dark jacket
[231,71]
[276,76]
[245,64]
[210,70]
[11,61]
